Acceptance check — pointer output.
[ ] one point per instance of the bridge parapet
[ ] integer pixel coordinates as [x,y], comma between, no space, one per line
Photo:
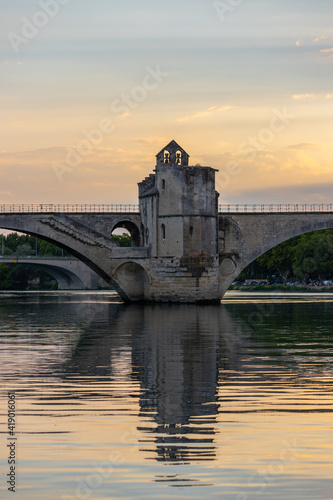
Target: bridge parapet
[134,209]
[68,209]
[276,208]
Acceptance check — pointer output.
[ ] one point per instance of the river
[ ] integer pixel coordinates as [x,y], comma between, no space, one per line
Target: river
[153,402]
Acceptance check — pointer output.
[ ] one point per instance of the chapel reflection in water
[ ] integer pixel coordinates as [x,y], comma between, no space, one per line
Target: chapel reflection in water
[176,358]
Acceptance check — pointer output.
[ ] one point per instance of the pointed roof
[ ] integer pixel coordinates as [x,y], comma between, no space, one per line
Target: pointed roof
[173,146]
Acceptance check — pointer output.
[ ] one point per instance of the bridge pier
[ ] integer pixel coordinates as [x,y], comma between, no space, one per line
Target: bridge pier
[169,280]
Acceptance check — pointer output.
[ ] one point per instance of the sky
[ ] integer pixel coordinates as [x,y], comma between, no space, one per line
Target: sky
[92,90]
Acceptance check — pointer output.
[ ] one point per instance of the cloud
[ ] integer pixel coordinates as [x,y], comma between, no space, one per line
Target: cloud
[307,194]
[107,175]
[223,145]
[299,173]
[203,114]
[303,96]
[152,140]
[299,97]
[326,51]
[305,146]
[6,193]
[302,172]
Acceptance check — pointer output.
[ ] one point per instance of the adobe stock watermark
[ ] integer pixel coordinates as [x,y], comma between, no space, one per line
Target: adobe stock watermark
[320,254]
[280,120]
[272,471]
[256,317]
[225,8]
[262,310]
[101,472]
[31,27]
[121,108]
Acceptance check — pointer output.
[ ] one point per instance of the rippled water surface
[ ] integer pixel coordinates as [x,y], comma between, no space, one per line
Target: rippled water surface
[168,401]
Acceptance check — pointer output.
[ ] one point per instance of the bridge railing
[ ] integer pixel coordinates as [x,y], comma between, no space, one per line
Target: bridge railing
[276,208]
[53,208]
[113,208]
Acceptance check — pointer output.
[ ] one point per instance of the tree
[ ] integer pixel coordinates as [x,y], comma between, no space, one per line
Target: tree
[23,250]
[6,277]
[124,239]
[313,256]
[14,245]
[279,260]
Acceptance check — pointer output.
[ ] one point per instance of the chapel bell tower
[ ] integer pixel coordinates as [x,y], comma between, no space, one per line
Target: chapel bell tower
[179,207]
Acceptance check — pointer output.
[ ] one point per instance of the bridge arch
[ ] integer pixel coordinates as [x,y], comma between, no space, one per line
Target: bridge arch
[69,272]
[285,235]
[134,280]
[259,233]
[75,234]
[132,228]
[67,280]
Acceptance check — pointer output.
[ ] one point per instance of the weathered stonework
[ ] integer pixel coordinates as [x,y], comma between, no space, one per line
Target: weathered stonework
[183,250]
[179,217]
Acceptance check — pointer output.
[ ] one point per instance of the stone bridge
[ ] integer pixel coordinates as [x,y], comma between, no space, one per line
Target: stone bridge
[71,274]
[242,237]
[184,247]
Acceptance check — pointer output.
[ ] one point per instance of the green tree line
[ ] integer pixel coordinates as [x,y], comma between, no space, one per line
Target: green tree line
[23,245]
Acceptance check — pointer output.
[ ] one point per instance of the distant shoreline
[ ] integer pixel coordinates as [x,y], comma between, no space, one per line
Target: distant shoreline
[282,288]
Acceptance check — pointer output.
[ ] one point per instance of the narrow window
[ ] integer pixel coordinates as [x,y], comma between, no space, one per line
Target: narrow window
[163,183]
[163,231]
[191,230]
[166,157]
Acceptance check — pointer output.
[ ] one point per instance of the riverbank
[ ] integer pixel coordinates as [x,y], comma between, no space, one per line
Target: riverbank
[283,288]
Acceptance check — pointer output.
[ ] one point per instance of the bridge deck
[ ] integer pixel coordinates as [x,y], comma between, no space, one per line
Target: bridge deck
[134,209]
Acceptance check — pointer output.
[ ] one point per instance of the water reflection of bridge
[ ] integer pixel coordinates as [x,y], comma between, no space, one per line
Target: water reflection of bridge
[175,371]
[175,354]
